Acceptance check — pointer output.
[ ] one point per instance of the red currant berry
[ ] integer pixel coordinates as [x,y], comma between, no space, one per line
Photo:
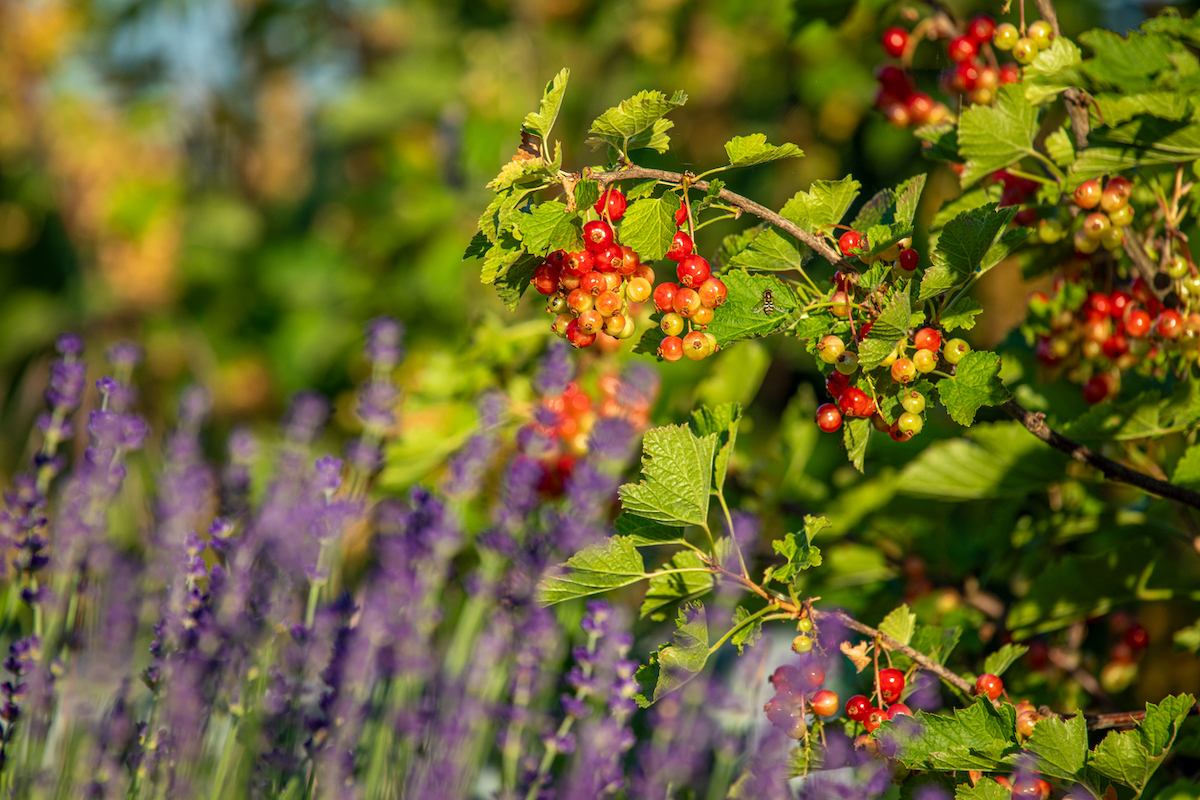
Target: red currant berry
[579,263]
[1087,194]
[681,217]
[616,325]
[894,81]
[693,271]
[858,707]
[597,235]
[579,301]
[1120,301]
[875,718]
[829,419]
[681,246]
[812,673]
[962,49]
[608,303]
[630,261]
[713,293]
[928,339]
[1115,346]
[664,296]
[696,346]
[981,28]
[591,322]
[593,283]
[612,280]
[557,259]
[671,324]
[545,279]
[560,324]
[988,685]
[1097,388]
[920,106]
[686,302]
[851,242]
[897,710]
[1136,637]
[837,384]
[568,281]
[703,316]
[891,684]
[671,348]
[638,289]
[845,280]
[1029,787]
[895,39]
[612,203]
[839,305]
[825,703]
[908,260]
[610,259]
[1010,73]
[646,272]
[904,370]
[577,337]
[1169,324]
[899,435]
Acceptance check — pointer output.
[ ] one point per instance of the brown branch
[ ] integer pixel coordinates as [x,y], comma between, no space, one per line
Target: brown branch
[1076,99]
[816,243]
[1147,268]
[1035,423]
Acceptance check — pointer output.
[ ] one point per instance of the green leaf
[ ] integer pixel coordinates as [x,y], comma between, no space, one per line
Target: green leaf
[1121,757]
[973,242]
[613,563]
[747,636]
[478,246]
[908,198]
[1118,108]
[1188,638]
[668,588]
[984,789]
[677,467]
[887,217]
[745,151]
[744,316]
[976,383]
[798,549]
[961,314]
[1127,63]
[541,122]
[1162,722]
[649,225]
[823,205]
[1056,68]
[996,136]
[890,328]
[587,192]
[550,227]
[636,123]
[643,189]
[677,663]
[977,737]
[736,243]
[1143,141]
[1059,148]
[512,283]
[939,141]
[769,251]
[855,433]
[937,643]
[1061,746]
[899,624]
[644,532]
[722,422]
[1003,658]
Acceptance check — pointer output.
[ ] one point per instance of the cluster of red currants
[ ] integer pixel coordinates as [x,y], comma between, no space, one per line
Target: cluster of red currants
[1101,217]
[1094,338]
[890,683]
[574,414]
[688,306]
[1123,655]
[798,692]
[974,71]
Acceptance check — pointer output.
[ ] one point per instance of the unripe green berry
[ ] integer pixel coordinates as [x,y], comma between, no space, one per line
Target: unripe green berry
[1024,51]
[925,361]
[913,402]
[909,422]
[802,644]
[956,350]
[804,625]
[671,324]
[1050,231]
[1191,285]
[1112,238]
[1084,243]
[1121,217]
[830,348]
[1040,33]
[1006,36]
[1177,267]
[847,363]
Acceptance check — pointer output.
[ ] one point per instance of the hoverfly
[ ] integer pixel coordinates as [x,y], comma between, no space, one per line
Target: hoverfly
[767,306]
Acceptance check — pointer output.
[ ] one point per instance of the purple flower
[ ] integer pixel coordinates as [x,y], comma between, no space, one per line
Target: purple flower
[69,345]
[611,439]
[65,390]
[385,342]
[555,370]
[377,402]
[126,355]
[306,417]
[639,386]
[329,475]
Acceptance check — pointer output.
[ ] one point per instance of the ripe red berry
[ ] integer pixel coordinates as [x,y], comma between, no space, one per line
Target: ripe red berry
[1010,73]
[928,339]
[1115,346]
[681,246]
[988,685]
[858,707]
[579,263]
[1097,388]
[908,260]
[1119,301]
[713,293]
[612,202]
[981,28]
[899,709]
[851,242]
[630,261]
[593,283]
[875,718]
[962,48]
[597,235]
[671,348]
[829,419]
[591,322]
[895,39]
[608,303]
[664,296]
[891,684]
[1169,324]
[837,384]
[852,401]
[577,337]
[693,270]
[696,346]
[904,370]
[1087,194]
[825,703]
[686,302]
[1029,787]
[1136,637]
[681,217]
[610,259]
[579,301]
[545,278]
[812,673]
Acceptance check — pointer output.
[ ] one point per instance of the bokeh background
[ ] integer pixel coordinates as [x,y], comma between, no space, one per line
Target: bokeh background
[239,184]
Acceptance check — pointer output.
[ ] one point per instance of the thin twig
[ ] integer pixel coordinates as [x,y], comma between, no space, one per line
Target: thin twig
[816,243]
[1035,423]
[1147,268]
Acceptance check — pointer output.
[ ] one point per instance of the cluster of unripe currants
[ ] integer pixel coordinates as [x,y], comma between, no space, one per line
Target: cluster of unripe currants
[798,692]
[852,401]
[974,72]
[1093,341]
[890,683]
[1103,213]
[590,290]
